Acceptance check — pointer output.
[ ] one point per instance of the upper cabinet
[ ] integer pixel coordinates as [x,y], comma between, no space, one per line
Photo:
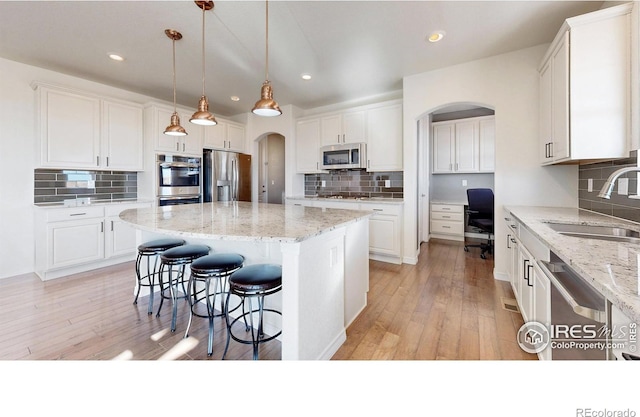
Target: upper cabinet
[464,146]
[585,79]
[226,136]
[308,146]
[378,125]
[341,128]
[158,117]
[384,138]
[83,131]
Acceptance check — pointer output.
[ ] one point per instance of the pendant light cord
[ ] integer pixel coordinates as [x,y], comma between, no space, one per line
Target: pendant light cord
[266,72]
[175,109]
[203,66]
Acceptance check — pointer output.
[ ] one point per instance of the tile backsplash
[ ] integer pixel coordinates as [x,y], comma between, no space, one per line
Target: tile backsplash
[619,205]
[354,183]
[57,185]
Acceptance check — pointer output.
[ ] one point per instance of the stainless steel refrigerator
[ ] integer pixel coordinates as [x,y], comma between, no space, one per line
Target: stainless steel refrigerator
[226,176]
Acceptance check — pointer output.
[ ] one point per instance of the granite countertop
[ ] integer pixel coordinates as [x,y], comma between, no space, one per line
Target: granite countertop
[242,221]
[60,204]
[352,200]
[612,268]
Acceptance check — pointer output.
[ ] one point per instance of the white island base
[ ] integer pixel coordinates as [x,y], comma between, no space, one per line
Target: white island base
[325,277]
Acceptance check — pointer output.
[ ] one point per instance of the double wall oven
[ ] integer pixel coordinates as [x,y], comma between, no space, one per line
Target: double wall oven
[179,180]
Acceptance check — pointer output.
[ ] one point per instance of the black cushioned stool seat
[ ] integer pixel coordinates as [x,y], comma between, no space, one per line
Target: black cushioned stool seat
[150,250]
[216,267]
[253,281]
[178,257]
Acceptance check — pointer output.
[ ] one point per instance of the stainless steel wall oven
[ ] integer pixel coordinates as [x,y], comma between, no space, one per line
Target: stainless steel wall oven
[179,179]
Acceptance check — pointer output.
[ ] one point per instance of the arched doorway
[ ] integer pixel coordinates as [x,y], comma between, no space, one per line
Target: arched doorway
[449,187]
[271,171]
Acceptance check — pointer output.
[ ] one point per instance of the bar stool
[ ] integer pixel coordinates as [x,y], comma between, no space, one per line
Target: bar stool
[253,281]
[216,267]
[148,250]
[178,257]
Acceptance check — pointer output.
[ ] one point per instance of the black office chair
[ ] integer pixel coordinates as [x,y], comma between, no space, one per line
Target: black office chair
[480,216]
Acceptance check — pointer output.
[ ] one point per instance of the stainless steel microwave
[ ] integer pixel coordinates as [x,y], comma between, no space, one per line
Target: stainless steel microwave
[346,156]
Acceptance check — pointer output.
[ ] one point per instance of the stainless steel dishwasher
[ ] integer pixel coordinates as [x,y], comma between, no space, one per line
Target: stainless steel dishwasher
[578,315]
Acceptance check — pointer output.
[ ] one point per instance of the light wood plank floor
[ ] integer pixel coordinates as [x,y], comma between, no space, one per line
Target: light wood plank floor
[448,306]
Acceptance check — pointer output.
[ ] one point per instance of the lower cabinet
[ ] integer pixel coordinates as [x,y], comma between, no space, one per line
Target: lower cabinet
[76,239]
[447,221]
[385,226]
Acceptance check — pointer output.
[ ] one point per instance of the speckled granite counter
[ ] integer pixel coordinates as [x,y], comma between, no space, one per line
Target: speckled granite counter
[242,220]
[324,255]
[610,267]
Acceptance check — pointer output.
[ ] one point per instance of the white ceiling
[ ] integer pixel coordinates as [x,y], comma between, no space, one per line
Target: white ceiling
[353,49]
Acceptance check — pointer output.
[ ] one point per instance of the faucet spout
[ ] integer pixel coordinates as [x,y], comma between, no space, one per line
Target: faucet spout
[607,188]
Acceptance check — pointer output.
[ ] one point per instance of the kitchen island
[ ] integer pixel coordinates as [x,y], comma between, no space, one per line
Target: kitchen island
[323,253]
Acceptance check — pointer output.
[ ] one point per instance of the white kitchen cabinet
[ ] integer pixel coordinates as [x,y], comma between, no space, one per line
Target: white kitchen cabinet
[160,117]
[385,232]
[308,146]
[385,226]
[225,135]
[348,127]
[525,275]
[384,138]
[122,136]
[447,221]
[83,131]
[464,145]
[542,303]
[585,78]
[76,239]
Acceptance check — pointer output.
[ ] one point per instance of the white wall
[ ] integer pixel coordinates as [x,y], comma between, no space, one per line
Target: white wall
[509,84]
[18,156]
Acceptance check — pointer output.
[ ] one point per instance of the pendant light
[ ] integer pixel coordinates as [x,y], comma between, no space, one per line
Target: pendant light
[266,106]
[202,116]
[174,129]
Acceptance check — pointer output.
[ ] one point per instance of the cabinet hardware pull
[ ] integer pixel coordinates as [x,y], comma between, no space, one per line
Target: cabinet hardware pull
[525,270]
[343,138]
[178,146]
[183,147]
[338,138]
[446,217]
[446,227]
[112,225]
[508,239]
[77,214]
[446,208]
[514,241]
[529,267]
[101,227]
[550,149]
[97,160]
[377,210]
[107,161]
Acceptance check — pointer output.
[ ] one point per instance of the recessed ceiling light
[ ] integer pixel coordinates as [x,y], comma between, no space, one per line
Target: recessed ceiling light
[436,36]
[306,77]
[235,98]
[116,57]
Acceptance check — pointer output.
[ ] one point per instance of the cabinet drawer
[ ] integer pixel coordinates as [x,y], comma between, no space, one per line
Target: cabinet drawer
[392,210]
[451,208]
[74,213]
[447,228]
[437,215]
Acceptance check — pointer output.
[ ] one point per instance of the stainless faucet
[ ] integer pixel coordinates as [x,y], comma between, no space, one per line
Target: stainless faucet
[607,188]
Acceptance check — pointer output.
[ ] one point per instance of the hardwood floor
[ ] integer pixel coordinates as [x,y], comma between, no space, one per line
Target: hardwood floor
[448,306]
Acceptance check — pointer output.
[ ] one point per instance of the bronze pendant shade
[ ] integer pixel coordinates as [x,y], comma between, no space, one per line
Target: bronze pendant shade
[202,116]
[174,129]
[266,106]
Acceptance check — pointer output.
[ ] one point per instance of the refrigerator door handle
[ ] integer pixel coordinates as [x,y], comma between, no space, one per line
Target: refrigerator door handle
[234,183]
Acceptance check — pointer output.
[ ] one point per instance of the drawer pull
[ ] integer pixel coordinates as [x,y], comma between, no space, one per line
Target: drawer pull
[446,217]
[378,210]
[77,214]
[446,227]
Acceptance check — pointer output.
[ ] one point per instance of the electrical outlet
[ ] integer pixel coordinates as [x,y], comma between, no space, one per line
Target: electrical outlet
[464,183]
[387,183]
[323,184]
[590,185]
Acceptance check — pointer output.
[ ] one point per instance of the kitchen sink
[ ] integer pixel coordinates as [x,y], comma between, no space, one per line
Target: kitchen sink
[600,232]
